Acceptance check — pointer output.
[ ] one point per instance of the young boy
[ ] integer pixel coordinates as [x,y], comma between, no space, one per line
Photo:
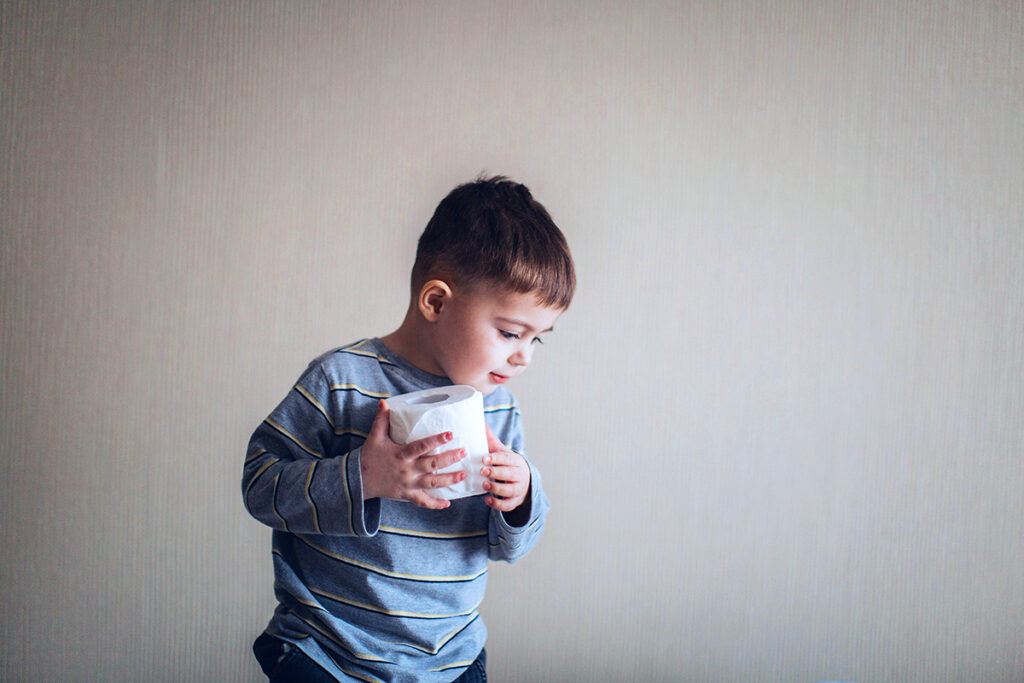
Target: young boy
[376,579]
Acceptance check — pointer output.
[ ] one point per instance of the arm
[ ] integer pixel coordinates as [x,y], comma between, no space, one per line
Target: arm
[294,481]
[518,504]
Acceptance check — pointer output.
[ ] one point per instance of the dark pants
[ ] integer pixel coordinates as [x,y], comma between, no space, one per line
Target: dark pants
[284,663]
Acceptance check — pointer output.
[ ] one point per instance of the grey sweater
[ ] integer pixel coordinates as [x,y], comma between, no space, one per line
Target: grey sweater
[376,590]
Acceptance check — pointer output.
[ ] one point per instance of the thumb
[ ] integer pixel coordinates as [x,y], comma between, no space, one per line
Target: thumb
[381,421]
[493,443]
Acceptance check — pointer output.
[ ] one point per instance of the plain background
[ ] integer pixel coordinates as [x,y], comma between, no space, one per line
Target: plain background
[781,426]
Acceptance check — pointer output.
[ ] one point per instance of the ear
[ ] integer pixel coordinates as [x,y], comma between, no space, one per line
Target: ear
[434,296]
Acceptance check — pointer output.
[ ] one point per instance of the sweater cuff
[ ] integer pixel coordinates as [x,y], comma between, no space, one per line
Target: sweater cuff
[364,514]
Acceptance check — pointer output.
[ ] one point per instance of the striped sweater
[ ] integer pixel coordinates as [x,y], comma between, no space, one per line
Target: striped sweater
[376,590]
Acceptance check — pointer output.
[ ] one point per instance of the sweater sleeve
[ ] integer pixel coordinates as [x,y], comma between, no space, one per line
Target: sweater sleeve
[507,540]
[295,480]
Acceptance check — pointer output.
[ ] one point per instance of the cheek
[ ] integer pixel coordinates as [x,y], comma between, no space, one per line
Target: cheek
[486,350]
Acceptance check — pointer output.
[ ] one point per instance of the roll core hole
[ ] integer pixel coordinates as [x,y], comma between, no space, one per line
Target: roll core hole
[436,398]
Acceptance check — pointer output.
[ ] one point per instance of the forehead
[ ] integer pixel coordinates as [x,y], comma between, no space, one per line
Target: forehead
[516,307]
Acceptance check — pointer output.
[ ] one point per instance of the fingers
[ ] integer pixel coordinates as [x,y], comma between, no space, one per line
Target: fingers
[508,480]
[502,489]
[506,474]
[432,463]
[423,500]
[440,480]
[503,504]
[503,457]
[407,472]
[414,449]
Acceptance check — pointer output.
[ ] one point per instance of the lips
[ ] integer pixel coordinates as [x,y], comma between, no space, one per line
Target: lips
[498,379]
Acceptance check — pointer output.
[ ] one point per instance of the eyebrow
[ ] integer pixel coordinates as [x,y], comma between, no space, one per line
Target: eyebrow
[513,321]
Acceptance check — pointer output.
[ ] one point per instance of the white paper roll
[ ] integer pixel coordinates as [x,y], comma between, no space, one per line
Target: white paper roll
[458,409]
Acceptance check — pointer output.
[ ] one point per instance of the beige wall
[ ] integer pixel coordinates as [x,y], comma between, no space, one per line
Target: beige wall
[782,425]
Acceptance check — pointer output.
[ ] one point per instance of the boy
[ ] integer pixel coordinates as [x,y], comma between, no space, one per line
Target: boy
[376,579]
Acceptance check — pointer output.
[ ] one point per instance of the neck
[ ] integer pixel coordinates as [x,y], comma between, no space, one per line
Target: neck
[412,341]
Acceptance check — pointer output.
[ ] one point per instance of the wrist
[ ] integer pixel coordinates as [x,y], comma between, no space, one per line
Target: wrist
[367,481]
[519,516]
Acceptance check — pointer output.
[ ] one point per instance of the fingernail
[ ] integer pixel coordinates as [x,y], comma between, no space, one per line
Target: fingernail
[485,471]
[447,436]
[487,459]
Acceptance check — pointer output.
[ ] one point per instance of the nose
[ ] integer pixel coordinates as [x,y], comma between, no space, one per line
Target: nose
[522,356]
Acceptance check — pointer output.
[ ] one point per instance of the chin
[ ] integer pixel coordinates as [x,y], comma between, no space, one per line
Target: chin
[486,388]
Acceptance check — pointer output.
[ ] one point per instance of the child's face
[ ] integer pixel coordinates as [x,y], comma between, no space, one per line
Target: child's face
[485,337]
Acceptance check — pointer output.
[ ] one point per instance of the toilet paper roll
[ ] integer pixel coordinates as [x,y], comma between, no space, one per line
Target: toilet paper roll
[458,409]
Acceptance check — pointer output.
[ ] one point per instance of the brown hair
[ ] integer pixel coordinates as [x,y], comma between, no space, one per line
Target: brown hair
[493,230]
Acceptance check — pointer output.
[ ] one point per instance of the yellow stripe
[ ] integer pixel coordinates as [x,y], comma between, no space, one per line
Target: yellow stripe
[364,392]
[311,604]
[507,543]
[444,641]
[255,455]
[301,600]
[452,634]
[356,432]
[385,572]
[330,636]
[356,346]
[494,409]
[292,437]
[309,480]
[370,354]
[430,534]
[257,476]
[381,610]
[309,397]
[455,665]
[501,540]
[361,677]
[372,658]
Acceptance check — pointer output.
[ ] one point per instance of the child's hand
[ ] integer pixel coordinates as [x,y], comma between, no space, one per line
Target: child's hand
[405,472]
[507,473]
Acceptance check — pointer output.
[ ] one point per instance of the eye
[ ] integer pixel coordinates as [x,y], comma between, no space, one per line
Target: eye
[508,335]
[538,340]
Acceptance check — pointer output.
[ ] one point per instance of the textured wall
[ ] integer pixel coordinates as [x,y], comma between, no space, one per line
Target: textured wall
[782,426]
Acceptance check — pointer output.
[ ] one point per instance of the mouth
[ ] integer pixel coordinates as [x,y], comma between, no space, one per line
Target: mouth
[498,379]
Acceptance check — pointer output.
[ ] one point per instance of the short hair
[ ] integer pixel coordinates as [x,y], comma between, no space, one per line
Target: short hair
[493,230]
